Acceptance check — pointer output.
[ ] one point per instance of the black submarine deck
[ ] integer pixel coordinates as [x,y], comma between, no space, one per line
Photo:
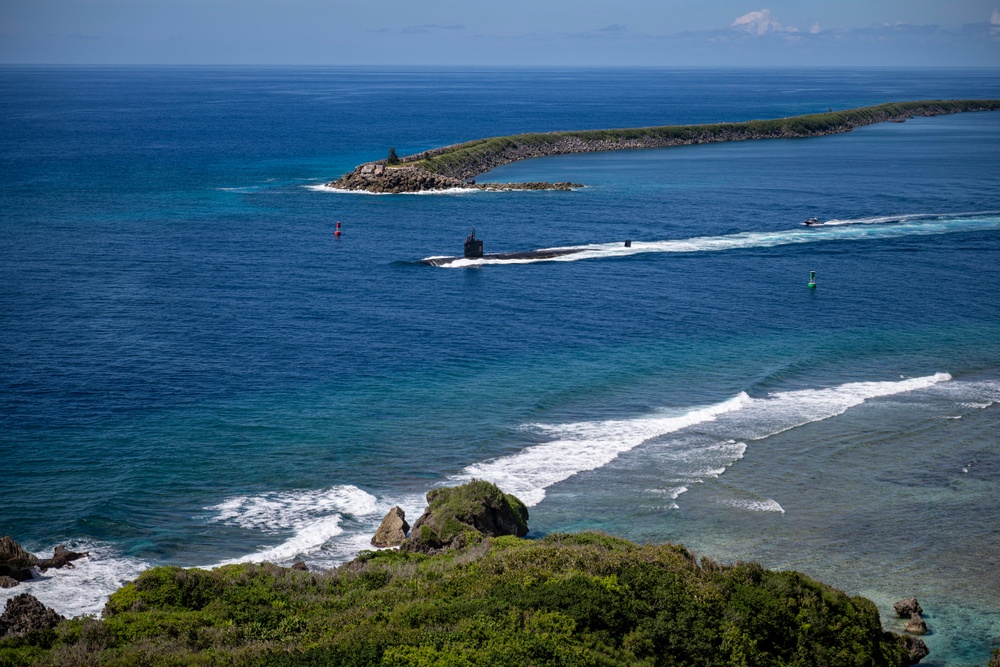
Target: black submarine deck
[525,254]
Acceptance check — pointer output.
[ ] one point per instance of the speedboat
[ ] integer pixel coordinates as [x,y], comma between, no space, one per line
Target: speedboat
[809,222]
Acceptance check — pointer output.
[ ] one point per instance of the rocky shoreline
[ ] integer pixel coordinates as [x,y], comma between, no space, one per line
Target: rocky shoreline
[17,565]
[465,574]
[458,527]
[380,179]
[454,167]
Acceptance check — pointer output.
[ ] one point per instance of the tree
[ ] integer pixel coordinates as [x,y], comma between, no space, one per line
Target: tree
[393,158]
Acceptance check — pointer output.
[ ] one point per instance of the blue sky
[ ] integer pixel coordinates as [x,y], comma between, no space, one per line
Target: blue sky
[658,33]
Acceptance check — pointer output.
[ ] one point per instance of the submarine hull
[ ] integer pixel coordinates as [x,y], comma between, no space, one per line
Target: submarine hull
[527,254]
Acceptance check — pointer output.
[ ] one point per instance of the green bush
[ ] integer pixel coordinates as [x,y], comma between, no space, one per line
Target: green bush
[465,511]
[474,157]
[585,599]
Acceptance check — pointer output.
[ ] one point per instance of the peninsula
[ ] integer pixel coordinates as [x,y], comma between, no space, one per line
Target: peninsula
[457,165]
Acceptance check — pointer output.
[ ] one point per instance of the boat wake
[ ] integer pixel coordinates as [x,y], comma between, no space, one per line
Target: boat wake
[859,229]
[887,219]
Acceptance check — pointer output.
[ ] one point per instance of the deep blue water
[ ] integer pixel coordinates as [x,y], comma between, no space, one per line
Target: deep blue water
[194,369]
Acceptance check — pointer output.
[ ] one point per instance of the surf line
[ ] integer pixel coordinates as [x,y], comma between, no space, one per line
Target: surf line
[863,230]
[582,446]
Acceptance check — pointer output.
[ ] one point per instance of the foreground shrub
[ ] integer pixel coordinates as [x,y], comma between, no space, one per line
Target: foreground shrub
[586,599]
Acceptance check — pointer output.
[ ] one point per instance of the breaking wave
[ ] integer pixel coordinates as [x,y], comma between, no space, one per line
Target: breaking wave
[722,429]
[84,588]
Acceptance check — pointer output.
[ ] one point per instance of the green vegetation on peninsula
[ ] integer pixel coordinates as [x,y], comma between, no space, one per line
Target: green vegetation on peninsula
[492,600]
[453,166]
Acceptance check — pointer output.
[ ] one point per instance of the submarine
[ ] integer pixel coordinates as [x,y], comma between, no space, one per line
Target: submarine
[474,250]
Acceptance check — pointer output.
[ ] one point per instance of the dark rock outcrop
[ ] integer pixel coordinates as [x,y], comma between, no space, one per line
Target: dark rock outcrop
[532,185]
[394,180]
[24,614]
[300,566]
[995,660]
[457,514]
[62,557]
[916,650]
[375,177]
[907,607]
[8,582]
[393,529]
[15,562]
[916,625]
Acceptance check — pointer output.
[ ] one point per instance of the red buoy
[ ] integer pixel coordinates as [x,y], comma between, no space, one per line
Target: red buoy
[337,231]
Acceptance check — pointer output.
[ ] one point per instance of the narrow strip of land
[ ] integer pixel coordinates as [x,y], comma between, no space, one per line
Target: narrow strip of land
[455,166]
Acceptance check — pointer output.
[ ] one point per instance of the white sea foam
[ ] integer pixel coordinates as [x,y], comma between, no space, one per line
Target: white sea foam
[972,394]
[314,517]
[673,492]
[888,219]
[847,230]
[327,526]
[335,536]
[308,538]
[694,454]
[85,587]
[293,509]
[784,410]
[765,505]
[584,446]
[323,187]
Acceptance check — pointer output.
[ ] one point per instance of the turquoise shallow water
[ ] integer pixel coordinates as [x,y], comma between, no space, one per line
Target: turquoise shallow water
[196,371]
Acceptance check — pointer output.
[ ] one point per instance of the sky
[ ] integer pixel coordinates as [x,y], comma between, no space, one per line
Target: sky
[553,33]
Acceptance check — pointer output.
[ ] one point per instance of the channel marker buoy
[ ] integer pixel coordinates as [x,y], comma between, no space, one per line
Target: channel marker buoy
[336,232]
[812,279]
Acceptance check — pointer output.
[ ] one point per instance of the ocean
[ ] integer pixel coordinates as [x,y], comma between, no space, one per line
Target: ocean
[194,370]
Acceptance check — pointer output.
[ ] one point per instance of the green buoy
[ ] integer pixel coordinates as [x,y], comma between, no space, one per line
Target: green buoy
[812,279]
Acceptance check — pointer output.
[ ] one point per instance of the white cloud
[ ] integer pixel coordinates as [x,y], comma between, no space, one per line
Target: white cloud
[995,17]
[815,30]
[757,23]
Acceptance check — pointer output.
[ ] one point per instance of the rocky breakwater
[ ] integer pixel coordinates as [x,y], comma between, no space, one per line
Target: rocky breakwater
[454,166]
[379,178]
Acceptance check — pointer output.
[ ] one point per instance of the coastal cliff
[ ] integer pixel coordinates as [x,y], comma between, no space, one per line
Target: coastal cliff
[454,166]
